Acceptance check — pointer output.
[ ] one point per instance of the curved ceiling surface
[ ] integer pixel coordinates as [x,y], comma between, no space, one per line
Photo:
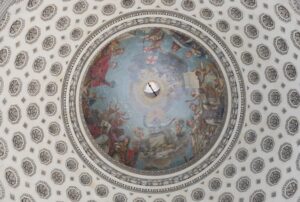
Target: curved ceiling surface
[150,129]
[149,100]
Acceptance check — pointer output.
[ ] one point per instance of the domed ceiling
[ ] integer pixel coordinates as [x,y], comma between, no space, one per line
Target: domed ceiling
[149,100]
[150,129]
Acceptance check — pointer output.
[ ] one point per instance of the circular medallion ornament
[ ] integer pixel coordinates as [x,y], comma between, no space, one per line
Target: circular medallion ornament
[223,26]
[14,114]
[16,27]
[274,97]
[33,111]
[256,97]
[159,200]
[285,152]
[51,88]
[61,147]
[273,176]
[85,179]
[296,38]
[147,2]
[253,77]
[168,2]
[33,34]
[21,60]
[80,7]
[134,121]
[179,198]
[236,40]
[56,69]
[206,13]
[188,5]
[242,154]
[119,197]
[4,55]
[247,58]
[3,149]
[15,87]
[251,31]
[129,3]
[263,52]
[37,134]
[63,23]
[215,184]
[257,165]
[72,164]
[74,194]
[266,21]
[243,184]
[198,194]
[50,108]
[33,87]
[45,156]
[292,125]
[33,4]
[101,191]
[282,12]
[49,12]
[255,117]
[91,20]
[230,171]
[250,136]
[290,71]
[217,2]
[139,200]
[19,141]
[58,176]
[108,9]
[28,166]
[76,34]
[26,198]
[267,144]
[258,196]
[49,42]
[251,4]
[226,197]
[295,4]
[290,188]
[271,74]
[281,45]
[64,50]
[43,189]
[273,121]
[39,64]
[12,177]
[235,13]
[294,98]
[54,128]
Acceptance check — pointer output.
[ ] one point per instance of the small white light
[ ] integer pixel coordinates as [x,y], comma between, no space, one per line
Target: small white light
[151,89]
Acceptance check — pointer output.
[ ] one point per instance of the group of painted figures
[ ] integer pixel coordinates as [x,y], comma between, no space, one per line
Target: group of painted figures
[207,104]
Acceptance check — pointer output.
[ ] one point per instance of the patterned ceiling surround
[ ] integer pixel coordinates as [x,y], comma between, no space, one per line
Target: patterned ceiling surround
[149,100]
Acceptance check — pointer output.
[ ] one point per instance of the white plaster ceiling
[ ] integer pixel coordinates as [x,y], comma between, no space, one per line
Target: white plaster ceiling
[38,39]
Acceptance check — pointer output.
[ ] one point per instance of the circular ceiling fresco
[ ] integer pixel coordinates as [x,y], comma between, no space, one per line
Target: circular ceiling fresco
[149,100]
[183,131]
[154,99]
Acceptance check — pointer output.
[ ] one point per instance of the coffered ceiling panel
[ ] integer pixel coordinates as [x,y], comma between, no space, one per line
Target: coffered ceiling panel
[149,100]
